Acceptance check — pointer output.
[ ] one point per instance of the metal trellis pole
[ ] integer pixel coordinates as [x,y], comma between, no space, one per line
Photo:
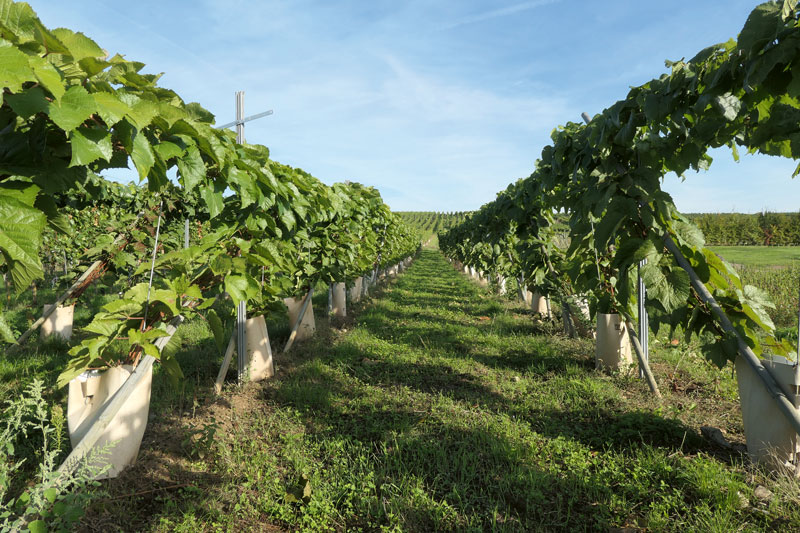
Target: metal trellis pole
[644,320]
[241,310]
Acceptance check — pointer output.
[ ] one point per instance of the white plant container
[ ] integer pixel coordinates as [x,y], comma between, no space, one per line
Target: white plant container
[59,322]
[356,290]
[259,351]
[501,284]
[539,304]
[612,345]
[583,307]
[526,296]
[92,390]
[307,326]
[770,438]
[339,307]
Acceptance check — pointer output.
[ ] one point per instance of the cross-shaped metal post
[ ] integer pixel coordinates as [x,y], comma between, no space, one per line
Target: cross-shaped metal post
[241,310]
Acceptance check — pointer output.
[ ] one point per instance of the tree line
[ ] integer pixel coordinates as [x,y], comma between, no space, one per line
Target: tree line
[737,229]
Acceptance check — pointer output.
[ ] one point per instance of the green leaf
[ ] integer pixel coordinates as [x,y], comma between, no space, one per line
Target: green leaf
[74,108]
[241,288]
[48,76]
[79,45]
[50,494]
[171,366]
[167,150]
[57,220]
[216,327]
[28,103]
[37,526]
[788,8]
[728,105]
[142,113]
[761,27]
[213,201]
[110,108]
[721,351]
[5,331]
[191,168]
[14,69]
[199,113]
[123,307]
[21,228]
[142,155]
[89,145]
[19,20]
[247,187]
[671,290]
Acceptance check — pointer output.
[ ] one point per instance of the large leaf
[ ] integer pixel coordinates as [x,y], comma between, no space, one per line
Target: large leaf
[728,106]
[213,201]
[74,108]
[142,155]
[28,102]
[216,327]
[14,69]
[21,227]
[79,45]
[761,27]
[110,108]
[48,76]
[191,168]
[241,288]
[5,331]
[89,145]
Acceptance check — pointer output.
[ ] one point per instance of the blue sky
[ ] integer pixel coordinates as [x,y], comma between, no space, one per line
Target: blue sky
[438,103]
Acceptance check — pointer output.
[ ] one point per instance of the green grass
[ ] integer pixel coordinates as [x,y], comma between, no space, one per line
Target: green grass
[775,269]
[442,407]
[758,255]
[438,407]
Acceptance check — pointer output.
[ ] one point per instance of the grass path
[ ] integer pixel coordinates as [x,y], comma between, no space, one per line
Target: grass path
[440,407]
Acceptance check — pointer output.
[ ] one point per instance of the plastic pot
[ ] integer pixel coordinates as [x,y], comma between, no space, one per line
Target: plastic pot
[356,290]
[770,438]
[339,304]
[613,346]
[59,322]
[87,394]
[307,326]
[539,304]
[259,351]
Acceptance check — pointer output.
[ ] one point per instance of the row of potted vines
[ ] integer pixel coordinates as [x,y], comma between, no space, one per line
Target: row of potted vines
[262,231]
[606,175]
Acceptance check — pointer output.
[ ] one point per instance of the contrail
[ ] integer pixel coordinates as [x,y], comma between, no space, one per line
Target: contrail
[502,12]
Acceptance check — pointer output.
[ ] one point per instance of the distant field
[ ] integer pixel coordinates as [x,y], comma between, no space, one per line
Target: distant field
[758,255]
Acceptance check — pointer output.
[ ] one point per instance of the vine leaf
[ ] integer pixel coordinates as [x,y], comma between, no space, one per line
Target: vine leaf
[191,168]
[728,105]
[5,331]
[110,108]
[89,145]
[28,102]
[761,27]
[21,227]
[241,288]
[75,106]
[142,155]
[48,76]
[78,44]
[14,69]
[215,324]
